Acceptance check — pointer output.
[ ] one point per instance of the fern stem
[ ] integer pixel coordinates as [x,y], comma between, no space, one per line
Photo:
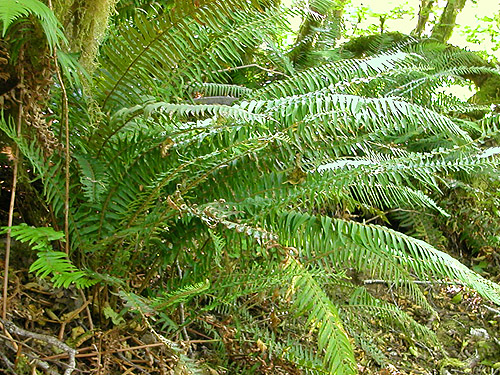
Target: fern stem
[65,121]
[181,311]
[251,66]
[12,199]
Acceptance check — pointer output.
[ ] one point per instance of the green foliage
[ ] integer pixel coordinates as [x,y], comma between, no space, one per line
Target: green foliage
[50,262]
[13,10]
[64,273]
[93,178]
[37,238]
[322,314]
[278,194]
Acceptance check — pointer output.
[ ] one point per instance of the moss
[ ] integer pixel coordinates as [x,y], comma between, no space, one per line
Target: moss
[85,23]
[370,44]
[489,91]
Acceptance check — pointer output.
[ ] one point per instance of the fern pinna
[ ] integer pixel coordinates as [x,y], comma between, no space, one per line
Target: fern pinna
[217,204]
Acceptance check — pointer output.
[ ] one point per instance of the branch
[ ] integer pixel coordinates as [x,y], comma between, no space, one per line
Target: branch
[12,197]
[65,122]
[424,282]
[251,66]
[13,329]
[497,312]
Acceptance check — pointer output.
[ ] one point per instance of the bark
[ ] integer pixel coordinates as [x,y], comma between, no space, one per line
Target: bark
[444,28]
[307,32]
[85,23]
[423,16]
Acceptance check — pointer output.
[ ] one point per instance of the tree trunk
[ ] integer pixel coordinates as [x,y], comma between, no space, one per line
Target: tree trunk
[444,28]
[85,23]
[307,32]
[423,16]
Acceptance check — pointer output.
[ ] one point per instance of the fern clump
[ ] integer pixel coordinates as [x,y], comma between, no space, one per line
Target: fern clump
[269,203]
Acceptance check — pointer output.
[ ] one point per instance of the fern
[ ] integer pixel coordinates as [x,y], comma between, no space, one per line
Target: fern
[93,178]
[12,10]
[219,245]
[37,238]
[63,272]
[165,40]
[361,303]
[324,316]
[272,194]
[50,262]
[219,89]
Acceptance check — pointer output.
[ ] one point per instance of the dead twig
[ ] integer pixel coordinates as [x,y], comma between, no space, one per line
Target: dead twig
[13,329]
[497,312]
[87,310]
[93,354]
[251,66]
[12,200]
[67,318]
[65,122]
[422,282]
[181,313]
[134,365]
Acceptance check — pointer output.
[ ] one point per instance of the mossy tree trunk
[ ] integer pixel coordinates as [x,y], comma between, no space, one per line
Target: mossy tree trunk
[309,28]
[85,23]
[443,30]
[423,16]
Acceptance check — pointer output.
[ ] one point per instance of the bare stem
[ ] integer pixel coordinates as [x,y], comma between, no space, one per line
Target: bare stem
[11,209]
[65,121]
[181,311]
[251,66]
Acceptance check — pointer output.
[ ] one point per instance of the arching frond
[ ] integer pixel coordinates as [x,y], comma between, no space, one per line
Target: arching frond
[12,10]
[172,53]
[364,304]
[219,89]
[323,315]
[317,78]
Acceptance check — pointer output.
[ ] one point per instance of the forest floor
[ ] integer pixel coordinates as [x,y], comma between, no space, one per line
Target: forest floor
[50,322]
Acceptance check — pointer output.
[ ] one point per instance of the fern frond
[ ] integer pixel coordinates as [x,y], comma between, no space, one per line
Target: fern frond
[204,109]
[323,315]
[317,78]
[219,89]
[53,180]
[165,50]
[362,304]
[64,273]
[38,238]
[12,10]
[219,245]
[353,113]
[179,296]
[323,240]
[93,177]
[421,257]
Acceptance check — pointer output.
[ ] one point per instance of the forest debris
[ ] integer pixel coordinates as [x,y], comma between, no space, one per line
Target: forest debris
[13,329]
[480,333]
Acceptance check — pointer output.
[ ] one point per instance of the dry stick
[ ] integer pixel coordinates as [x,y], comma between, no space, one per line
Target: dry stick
[65,121]
[423,282]
[497,312]
[12,328]
[33,357]
[87,310]
[94,354]
[11,206]
[66,151]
